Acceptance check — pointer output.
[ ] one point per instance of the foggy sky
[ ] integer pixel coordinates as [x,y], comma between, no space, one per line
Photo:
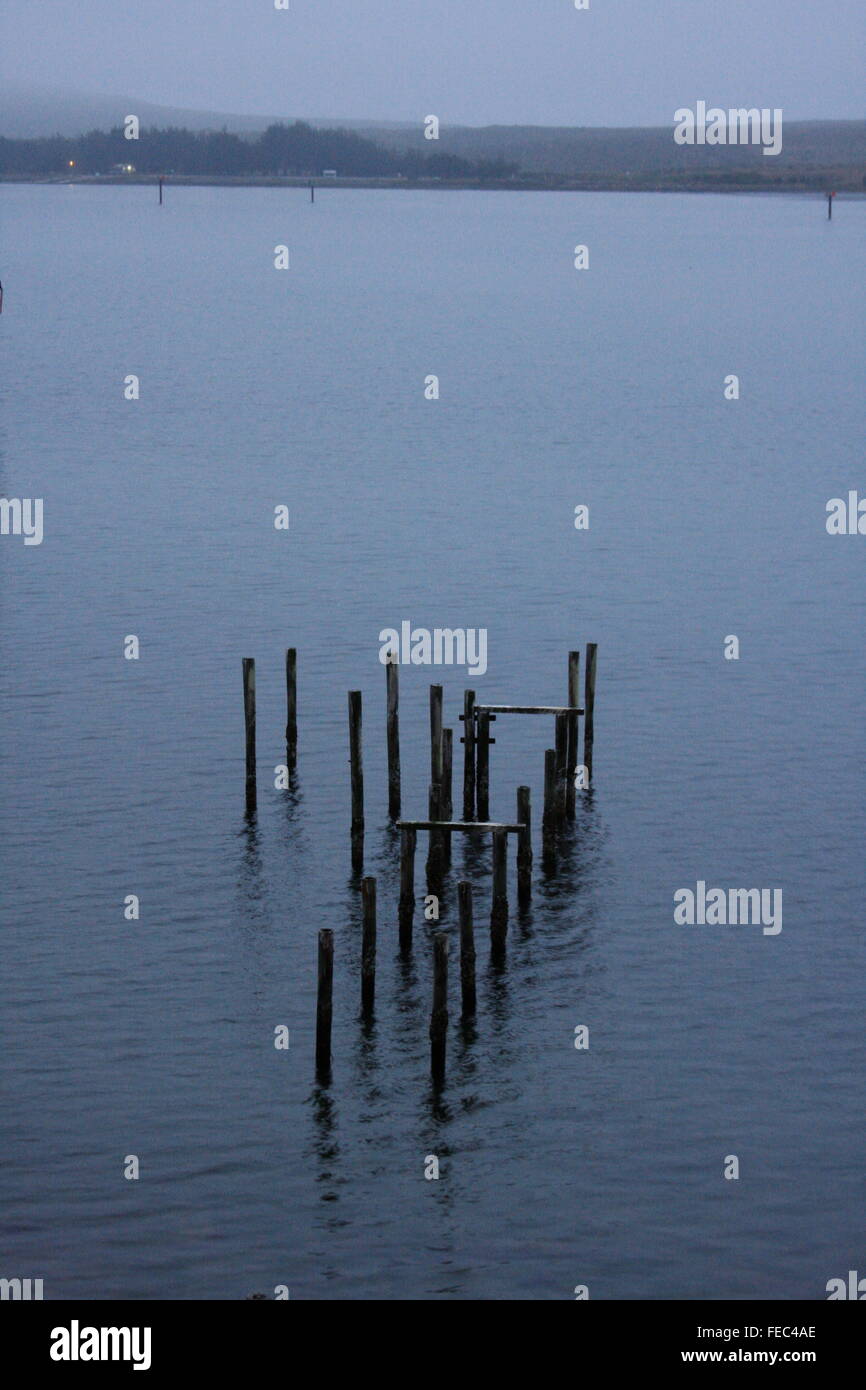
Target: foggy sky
[474,62]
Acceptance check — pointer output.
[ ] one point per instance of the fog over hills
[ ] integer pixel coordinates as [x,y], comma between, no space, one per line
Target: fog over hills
[26,112]
[826,148]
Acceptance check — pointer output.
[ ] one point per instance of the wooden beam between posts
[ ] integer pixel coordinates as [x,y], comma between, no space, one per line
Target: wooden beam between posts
[493,710]
[512,828]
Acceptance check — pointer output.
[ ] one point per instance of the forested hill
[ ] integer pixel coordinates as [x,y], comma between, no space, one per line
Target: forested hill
[288,150]
[814,155]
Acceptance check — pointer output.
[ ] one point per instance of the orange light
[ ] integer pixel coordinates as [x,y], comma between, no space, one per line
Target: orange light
[72,163]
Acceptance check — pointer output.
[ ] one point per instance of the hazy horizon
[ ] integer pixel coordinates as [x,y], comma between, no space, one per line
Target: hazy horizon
[20,91]
[500,63]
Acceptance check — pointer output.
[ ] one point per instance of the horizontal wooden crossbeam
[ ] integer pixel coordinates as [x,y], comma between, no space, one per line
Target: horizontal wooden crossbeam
[529,709]
[457,825]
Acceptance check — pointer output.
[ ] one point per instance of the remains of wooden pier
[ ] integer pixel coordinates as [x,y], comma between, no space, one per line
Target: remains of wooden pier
[477,742]
[563,776]
[499,832]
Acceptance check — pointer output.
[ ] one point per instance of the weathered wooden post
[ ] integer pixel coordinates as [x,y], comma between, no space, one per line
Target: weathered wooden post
[357,773]
[435,840]
[561,746]
[467,949]
[548,819]
[407,886]
[447,774]
[436,734]
[469,755]
[312,192]
[573,731]
[482,756]
[291,708]
[393,693]
[439,1015]
[524,845]
[324,1001]
[588,707]
[249,673]
[499,911]
[368,945]
[160,190]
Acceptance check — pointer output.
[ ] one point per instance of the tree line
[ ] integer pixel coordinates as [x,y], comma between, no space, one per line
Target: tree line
[285,150]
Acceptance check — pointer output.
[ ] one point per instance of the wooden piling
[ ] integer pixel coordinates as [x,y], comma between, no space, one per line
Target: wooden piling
[393,734]
[312,192]
[408,840]
[830,206]
[499,910]
[160,191]
[561,748]
[439,1015]
[436,734]
[482,764]
[549,812]
[573,732]
[249,673]
[445,803]
[589,707]
[291,708]
[467,949]
[436,838]
[324,1000]
[357,773]
[368,945]
[524,844]
[469,755]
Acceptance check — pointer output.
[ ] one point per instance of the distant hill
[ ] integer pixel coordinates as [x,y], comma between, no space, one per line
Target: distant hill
[574,152]
[814,153]
[28,112]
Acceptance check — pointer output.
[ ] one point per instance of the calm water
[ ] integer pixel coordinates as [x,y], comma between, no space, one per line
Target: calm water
[605,387]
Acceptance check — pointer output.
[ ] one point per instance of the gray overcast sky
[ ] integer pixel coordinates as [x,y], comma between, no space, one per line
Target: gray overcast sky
[622,62]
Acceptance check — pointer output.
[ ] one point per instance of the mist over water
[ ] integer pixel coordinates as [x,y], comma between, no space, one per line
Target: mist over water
[707,518]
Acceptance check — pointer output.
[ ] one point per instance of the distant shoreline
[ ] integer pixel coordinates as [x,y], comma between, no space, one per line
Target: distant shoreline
[817,185]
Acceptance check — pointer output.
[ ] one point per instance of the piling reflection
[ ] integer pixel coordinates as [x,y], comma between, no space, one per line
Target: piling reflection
[252,897]
[326,1149]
